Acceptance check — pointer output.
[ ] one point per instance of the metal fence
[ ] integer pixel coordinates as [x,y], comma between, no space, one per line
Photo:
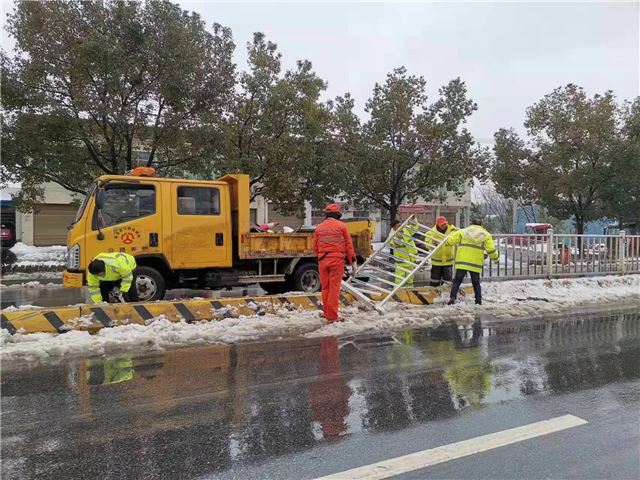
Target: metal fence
[560,255]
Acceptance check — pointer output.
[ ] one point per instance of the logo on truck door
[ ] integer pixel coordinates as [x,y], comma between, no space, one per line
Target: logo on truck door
[127,235]
[127,238]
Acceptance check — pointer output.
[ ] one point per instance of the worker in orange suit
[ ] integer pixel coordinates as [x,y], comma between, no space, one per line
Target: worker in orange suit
[332,244]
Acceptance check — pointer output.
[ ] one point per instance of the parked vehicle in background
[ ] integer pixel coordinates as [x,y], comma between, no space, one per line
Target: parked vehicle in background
[7,240]
[192,234]
[530,229]
[631,230]
[7,235]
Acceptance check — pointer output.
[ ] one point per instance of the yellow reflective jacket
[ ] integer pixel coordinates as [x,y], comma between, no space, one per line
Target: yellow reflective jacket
[404,242]
[472,243]
[118,266]
[446,254]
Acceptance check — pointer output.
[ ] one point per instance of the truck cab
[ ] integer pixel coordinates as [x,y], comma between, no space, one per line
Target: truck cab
[190,233]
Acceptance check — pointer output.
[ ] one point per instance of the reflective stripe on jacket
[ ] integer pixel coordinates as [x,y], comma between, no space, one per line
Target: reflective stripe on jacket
[446,255]
[472,243]
[332,239]
[404,245]
[118,266]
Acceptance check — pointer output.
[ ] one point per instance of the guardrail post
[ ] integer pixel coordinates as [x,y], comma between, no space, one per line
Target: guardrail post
[622,249]
[550,252]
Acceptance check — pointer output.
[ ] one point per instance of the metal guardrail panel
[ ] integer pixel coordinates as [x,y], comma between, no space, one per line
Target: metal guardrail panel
[556,255]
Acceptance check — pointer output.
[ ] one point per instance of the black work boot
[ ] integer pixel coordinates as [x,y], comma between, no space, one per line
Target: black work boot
[478,301]
[451,301]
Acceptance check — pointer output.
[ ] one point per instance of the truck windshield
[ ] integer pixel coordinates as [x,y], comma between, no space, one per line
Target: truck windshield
[83,205]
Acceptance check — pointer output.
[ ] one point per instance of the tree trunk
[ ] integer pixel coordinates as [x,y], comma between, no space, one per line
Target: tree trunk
[579,225]
[393,214]
[393,207]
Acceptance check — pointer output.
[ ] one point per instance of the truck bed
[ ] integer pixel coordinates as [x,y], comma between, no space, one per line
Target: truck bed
[300,244]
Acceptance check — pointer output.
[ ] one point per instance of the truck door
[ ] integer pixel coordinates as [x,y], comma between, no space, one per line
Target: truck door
[201,228]
[129,220]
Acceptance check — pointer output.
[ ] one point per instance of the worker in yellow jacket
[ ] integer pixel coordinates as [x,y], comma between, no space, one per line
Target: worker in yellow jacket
[442,260]
[472,243]
[404,250]
[112,271]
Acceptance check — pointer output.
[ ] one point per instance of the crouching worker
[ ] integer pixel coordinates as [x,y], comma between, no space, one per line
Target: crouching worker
[331,244]
[112,272]
[472,242]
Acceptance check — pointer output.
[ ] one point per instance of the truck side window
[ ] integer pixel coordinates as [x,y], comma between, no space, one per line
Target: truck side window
[125,202]
[198,201]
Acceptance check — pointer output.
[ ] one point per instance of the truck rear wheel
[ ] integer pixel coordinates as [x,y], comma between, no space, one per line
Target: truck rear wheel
[306,278]
[150,284]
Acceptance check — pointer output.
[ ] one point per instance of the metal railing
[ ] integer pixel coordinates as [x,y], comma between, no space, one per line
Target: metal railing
[560,255]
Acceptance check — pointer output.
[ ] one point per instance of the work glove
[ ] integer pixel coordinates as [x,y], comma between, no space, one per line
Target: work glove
[354,267]
[117,294]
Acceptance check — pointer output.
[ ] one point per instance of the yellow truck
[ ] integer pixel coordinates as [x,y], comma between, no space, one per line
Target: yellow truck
[192,234]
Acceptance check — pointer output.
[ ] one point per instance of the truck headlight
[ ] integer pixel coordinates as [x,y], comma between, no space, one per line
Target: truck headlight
[73,258]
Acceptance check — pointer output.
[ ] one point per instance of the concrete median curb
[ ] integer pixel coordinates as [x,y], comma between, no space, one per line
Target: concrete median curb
[94,317]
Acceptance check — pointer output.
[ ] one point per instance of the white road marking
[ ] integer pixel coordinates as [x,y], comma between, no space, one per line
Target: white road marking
[433,456]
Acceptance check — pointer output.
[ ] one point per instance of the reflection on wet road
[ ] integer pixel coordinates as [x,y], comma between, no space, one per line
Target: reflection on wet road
[307,408]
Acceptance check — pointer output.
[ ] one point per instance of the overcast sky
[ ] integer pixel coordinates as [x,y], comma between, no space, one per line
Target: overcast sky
[509,54]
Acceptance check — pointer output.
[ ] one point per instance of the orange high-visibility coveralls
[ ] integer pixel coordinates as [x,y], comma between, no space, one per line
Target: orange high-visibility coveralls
[331,244]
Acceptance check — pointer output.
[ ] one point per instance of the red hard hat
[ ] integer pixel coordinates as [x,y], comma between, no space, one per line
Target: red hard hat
[332,208]
[441,221]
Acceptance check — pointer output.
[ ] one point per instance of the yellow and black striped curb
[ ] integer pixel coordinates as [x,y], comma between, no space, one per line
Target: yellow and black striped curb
[94,317]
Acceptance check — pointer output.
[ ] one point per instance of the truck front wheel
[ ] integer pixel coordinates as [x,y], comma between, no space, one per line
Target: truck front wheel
[306,278]
[150,284]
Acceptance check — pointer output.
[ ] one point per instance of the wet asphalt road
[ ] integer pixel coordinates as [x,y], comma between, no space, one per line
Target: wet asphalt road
[308,408]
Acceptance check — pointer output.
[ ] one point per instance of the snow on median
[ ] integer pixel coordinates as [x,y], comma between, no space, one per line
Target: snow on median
[27,255]
[502,300]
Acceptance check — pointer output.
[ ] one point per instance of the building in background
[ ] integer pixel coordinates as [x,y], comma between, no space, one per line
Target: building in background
[47,224]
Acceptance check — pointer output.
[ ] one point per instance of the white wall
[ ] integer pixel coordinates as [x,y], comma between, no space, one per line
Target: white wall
[261,206]
[451,201]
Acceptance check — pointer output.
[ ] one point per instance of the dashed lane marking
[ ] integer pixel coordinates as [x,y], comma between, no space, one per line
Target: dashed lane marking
[445,453]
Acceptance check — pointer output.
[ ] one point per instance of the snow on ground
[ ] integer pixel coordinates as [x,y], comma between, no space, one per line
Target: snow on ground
[504,300]
[47,256]
[24,277]
[31,284]
[13,308]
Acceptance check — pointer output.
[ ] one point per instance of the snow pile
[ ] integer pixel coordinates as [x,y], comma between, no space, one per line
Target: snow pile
[31,284]
[28,255]
[13,308]
[27,277]
[501,300]
[160,333]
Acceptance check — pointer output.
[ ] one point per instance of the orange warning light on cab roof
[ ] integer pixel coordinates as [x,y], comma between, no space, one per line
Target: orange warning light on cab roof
[143,172]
